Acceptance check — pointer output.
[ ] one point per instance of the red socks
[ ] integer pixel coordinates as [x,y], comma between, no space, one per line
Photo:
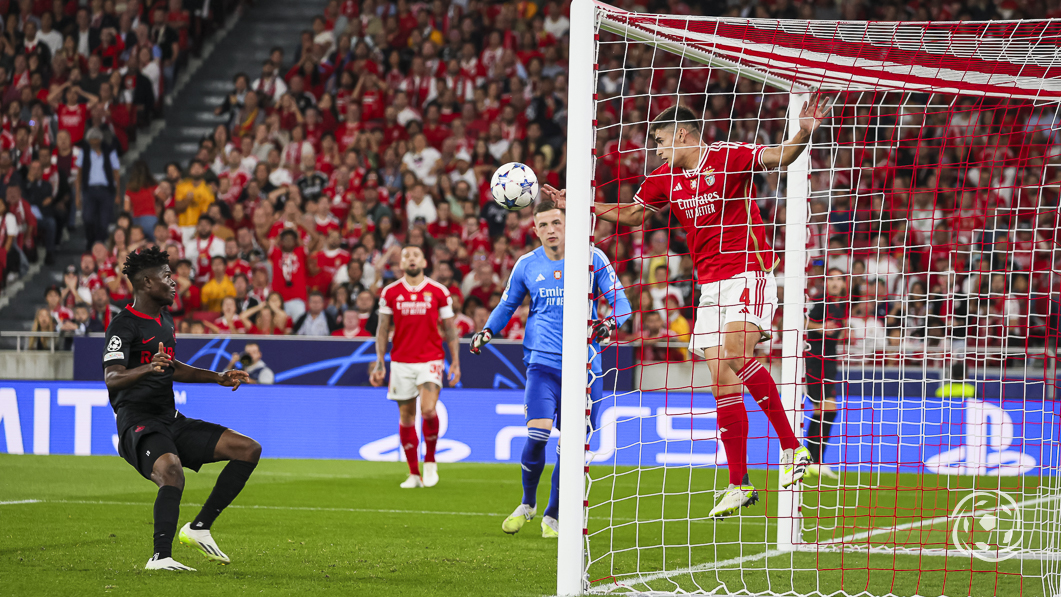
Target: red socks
[762,387]
[430,428]
[410,444]
[733,429]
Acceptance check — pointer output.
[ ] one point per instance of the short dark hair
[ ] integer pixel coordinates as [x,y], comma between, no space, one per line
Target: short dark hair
[207,218]
[144,259]
[314,293]
[288,231]
[675,116]
[547,205]
[216,258]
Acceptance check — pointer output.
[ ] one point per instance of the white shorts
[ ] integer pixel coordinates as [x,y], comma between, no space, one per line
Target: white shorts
[406,378]
[749,297]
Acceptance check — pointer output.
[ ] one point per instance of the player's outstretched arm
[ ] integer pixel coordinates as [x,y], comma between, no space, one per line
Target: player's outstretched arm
[377,371]
[810,118]
[511,299]
[187,374]
[627,214]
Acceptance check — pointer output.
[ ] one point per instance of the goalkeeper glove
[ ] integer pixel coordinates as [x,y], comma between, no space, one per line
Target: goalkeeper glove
[480,339]
[603,329]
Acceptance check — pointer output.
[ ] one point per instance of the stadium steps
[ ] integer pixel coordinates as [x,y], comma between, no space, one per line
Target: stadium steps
[21,299]
[190,117]
[240,46]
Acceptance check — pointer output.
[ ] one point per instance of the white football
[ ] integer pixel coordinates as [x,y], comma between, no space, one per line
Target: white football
[514,186]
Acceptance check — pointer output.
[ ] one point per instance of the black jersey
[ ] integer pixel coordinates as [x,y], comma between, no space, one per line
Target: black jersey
[132,340]
[823,342]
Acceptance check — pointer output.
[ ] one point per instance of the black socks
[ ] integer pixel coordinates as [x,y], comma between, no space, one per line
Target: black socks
[819,430]
[229,483]
[167,514]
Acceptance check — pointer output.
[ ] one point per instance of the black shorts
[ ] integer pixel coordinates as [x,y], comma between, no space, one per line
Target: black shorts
[192,440]
[821,377]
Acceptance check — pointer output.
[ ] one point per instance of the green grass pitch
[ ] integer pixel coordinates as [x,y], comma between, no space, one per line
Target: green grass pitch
[308,527]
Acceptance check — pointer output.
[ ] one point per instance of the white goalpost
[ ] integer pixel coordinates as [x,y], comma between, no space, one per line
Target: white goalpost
[919,241]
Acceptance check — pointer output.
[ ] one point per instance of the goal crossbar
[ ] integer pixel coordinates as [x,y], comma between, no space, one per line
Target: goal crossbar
[956,58]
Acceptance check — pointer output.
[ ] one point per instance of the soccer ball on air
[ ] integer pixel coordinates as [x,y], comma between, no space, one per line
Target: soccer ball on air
[514,186]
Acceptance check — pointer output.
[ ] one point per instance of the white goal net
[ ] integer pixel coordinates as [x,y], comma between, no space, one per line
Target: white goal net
[914,343]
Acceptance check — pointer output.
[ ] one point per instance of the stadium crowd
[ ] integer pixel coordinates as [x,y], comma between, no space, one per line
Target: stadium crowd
[385,123]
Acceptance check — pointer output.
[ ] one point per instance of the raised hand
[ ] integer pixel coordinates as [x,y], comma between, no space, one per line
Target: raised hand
[810,118]
[556,196]
[161,360]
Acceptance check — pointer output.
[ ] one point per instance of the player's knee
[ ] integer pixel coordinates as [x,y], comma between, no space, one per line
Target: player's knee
[428,413]
[167,470]
[252,451]
[732,359]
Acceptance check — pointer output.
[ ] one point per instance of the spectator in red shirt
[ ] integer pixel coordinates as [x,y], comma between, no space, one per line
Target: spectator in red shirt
[53,298]
[229,322]
[72,115]
[444,225]
[289,273]
[267,318]
[352,326]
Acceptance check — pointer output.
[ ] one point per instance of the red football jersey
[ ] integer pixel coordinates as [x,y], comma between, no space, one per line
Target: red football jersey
[329,223]
[417,311]
[289,273]
[714,203]
[72,120]
[237,326]
[237,266]
[332,261]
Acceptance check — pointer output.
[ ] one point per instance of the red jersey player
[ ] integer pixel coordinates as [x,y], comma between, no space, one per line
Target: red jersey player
[709,189]
[416,305]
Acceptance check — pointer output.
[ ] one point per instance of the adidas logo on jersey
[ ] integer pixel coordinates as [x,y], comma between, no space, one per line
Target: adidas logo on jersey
[539,278]
[678,187]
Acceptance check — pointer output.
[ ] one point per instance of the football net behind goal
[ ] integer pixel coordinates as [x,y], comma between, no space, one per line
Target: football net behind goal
[915,339]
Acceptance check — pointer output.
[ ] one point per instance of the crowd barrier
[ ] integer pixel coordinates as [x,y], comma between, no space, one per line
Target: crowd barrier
[342,362]
[880,433]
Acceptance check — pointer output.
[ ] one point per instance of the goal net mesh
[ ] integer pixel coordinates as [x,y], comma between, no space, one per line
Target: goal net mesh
[926,286]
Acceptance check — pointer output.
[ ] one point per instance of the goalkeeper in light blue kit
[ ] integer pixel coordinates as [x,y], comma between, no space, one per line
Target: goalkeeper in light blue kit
[540,275]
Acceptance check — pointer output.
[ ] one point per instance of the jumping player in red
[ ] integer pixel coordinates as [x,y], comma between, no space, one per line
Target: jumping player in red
[709,189]
[417,305]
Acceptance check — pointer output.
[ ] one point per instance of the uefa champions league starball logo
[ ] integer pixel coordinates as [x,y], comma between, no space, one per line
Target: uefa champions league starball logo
[988,526]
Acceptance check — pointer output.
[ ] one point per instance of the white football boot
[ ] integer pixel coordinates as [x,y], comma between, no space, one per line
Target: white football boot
[430,474]
[156,563]
[202,541]
[413,482]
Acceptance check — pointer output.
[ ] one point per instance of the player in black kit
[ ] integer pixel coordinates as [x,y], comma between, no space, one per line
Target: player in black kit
[155,438]
[825,326]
